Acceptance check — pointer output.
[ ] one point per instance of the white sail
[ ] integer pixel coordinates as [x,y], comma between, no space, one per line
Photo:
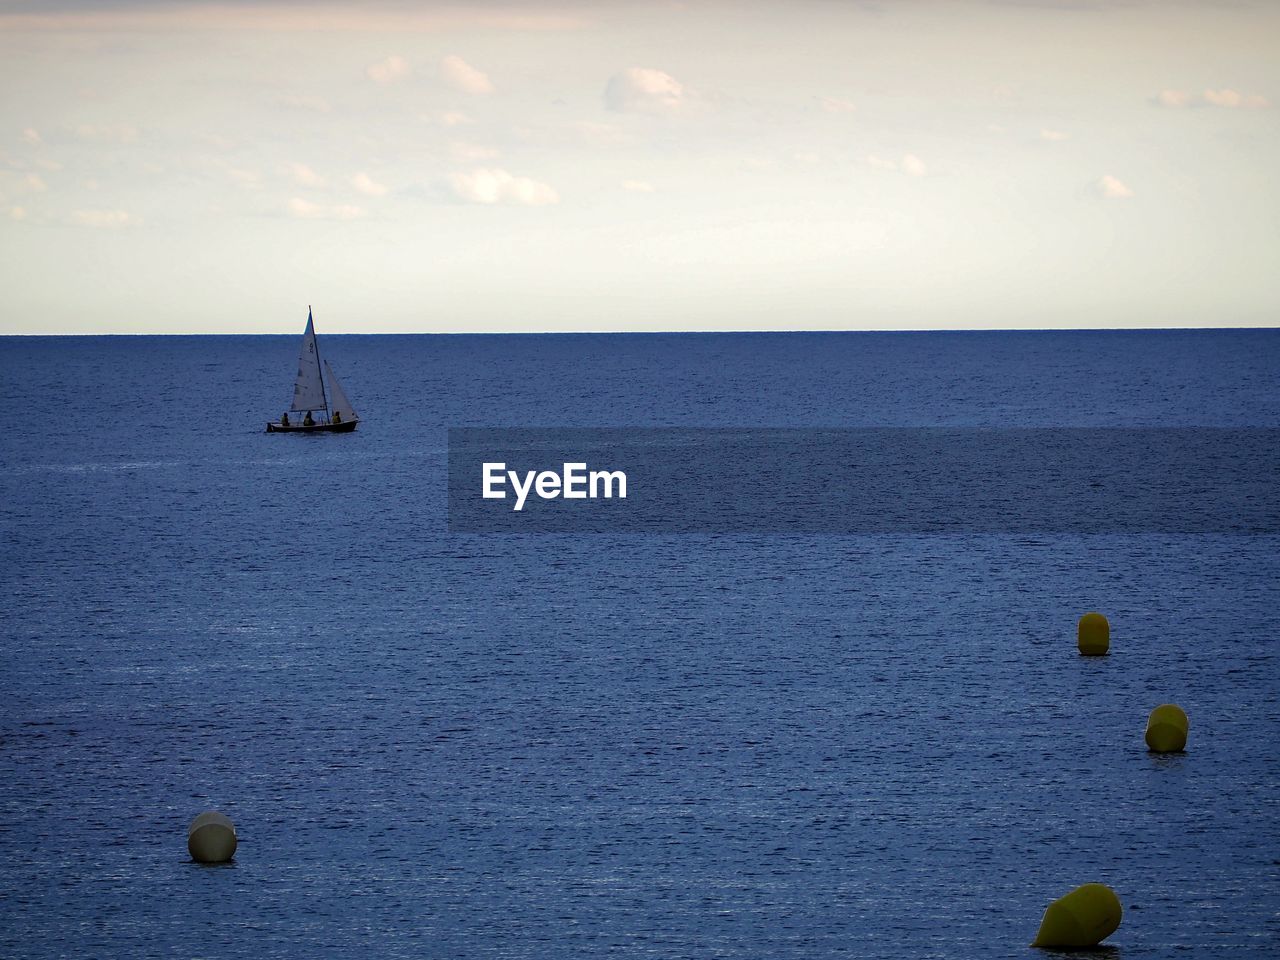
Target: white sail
[338,401]
[308,391]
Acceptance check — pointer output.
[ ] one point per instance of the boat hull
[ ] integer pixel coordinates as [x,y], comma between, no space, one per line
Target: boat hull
[346,426]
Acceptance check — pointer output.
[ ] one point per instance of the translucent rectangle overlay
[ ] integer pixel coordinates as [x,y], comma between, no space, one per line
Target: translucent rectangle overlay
[873,480]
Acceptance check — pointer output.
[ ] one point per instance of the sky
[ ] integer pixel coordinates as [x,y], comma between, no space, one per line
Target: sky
[192,167]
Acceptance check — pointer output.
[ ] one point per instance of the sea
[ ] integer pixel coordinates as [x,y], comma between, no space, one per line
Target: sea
[443,744]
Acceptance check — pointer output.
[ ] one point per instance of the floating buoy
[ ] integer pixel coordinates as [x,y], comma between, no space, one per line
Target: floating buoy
[1167,729]
[211,838]
[1093,636]
[1083,918]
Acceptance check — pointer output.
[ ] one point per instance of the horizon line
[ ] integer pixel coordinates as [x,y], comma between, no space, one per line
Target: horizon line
[643,333]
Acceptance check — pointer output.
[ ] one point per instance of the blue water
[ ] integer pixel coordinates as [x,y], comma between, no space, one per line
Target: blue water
[440,745]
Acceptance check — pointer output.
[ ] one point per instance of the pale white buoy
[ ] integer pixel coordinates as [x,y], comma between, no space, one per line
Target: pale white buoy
[211,838]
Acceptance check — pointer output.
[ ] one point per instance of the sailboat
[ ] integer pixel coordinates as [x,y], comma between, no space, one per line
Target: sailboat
[311,397]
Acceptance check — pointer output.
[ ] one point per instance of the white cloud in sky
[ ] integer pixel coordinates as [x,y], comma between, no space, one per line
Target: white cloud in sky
[1113,188]
[1054,136]
[1173,98]
[913,166]
[17,213]
[1226,97]
[304,176]
[644,90]
[306,210]
[217,141]
[388,70]
[449,118]
[302,18]
[1233,98]
[596,134]
[302,101]
[368,186]
[463,77]
[249,179]
[30,136]
[910,164]
[464,152]
[104,219]
[106,132]
[35,183]
[493,185]
[837,105]
[637,186]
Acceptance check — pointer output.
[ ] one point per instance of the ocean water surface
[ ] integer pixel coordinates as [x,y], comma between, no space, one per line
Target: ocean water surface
[446,745]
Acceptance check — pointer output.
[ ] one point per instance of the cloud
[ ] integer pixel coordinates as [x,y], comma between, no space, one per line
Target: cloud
[368,186]
[1113,189]
[304,176]
[463,152]
[1054,136]
[30,136]
[1230,99]
[105,219]
[837,105]
[35,183]
[449,118]
[306,210]
[217,141]
[387,71]
[910,164]
[301,101]
[491,185]
[644,90]
[250,179]
[291,16]
[637,186]
[461,76]
[1233,98]
[1223,98]
[106,132]
[913,166]
[17,213]
[601,134]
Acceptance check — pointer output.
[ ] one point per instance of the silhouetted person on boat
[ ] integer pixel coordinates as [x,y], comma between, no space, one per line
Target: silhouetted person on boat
[307,421]
[284,420]
[337,417]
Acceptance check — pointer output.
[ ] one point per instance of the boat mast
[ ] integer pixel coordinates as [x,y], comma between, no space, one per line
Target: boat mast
[319,365]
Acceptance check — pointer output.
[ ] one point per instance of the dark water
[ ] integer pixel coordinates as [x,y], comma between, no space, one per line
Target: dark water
[440,745]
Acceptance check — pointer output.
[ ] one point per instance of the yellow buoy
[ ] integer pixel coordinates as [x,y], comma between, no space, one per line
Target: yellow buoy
[1167,729]
[1083,918]
[211,838]
[1093,636]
